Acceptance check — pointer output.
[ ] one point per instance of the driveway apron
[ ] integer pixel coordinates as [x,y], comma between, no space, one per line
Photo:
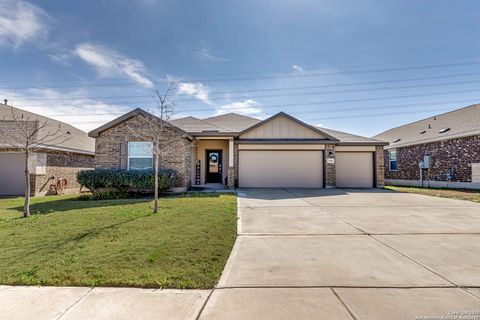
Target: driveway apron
[349,254]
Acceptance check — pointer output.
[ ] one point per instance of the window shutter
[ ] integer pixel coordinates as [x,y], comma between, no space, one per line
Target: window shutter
[122,163]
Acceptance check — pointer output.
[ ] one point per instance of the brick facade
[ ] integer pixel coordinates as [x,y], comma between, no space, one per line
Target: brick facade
[176,148]
[60,165]
[450,160]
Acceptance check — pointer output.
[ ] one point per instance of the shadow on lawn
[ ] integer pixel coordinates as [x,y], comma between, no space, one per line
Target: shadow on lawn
[63,205]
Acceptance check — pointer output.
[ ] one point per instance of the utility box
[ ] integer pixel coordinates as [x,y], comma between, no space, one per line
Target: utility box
[426,162]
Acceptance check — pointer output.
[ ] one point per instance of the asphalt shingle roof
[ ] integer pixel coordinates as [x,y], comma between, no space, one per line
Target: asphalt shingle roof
[348,137]
[77,140]
[229,123]
[234,123]
[454,124]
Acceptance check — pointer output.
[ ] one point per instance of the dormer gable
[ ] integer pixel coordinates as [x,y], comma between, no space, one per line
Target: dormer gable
[285,127]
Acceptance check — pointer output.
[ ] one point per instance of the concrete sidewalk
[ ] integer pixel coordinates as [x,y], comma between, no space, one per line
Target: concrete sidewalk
[72,303]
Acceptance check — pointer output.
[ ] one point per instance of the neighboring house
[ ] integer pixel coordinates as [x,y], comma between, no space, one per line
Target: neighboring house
[440,151]
[51,162]
[237,150]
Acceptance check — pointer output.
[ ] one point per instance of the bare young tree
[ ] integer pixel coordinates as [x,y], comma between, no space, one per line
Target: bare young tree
[152,130]
[26,133]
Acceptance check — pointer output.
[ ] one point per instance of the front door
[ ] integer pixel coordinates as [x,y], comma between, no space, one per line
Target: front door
[214,166]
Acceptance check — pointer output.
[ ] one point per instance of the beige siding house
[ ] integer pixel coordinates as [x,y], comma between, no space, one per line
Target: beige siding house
[57,159]
[239,151]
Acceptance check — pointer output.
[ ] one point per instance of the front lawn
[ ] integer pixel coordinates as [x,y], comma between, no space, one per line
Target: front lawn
[117,242]
[461,194]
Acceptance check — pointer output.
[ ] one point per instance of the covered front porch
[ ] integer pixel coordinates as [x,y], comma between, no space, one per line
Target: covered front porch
[213,162]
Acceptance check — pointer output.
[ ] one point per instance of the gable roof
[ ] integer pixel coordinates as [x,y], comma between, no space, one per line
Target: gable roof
[234,124]
[77,141]
[283,114]
[459,123]
[128,115]
[348,138]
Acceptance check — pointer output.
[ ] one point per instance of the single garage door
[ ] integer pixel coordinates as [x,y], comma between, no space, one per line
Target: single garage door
[267,168]
[12,168]
[354,169]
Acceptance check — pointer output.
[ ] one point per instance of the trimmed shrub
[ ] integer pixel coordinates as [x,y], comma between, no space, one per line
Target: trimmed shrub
[126,181]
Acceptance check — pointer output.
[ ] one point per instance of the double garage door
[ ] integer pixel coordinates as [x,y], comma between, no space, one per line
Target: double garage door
[302,169]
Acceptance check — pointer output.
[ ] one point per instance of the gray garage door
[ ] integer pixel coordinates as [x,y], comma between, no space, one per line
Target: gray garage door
[268,168]
[354,169]
[12,167]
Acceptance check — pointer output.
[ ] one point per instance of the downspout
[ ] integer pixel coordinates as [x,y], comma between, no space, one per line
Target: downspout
[420,167]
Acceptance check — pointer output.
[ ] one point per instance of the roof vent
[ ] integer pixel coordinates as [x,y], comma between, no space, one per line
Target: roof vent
[68,132]
[444,130]
[429,126]
[210,130]
[422,132]
[395,141]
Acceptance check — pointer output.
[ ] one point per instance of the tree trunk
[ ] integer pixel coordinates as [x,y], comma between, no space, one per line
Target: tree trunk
[26,203]
[155,201]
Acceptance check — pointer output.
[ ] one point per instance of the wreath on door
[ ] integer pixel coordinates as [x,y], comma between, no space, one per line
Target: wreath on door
[213,158]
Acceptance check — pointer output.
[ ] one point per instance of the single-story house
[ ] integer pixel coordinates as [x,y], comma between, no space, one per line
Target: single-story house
[59,158]
[236,150]
[439,151]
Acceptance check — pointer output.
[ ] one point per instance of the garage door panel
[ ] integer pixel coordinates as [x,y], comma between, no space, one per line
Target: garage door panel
[12,177]
[262,168]
[354,169]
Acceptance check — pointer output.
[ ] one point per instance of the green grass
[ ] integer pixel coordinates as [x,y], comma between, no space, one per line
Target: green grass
[461,194]
[68,242]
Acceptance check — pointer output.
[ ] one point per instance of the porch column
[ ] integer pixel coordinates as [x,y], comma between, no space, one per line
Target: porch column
[230,153]
[231,170]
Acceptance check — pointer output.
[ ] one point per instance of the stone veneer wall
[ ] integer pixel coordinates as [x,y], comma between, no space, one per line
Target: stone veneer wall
[176,152]
[233,172]
[60,165]
[330,171]
[379,167]
[453,156]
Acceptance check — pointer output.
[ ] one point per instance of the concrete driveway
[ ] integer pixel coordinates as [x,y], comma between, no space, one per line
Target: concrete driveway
[349,254]
[308,254]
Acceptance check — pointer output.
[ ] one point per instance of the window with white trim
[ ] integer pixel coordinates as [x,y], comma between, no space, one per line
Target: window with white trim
[392,159]
[140,155]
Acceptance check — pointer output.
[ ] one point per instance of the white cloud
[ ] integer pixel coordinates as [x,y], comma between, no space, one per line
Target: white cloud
[297,68]
[204,56]
[22,22]
[246,107]
[69,107]
[110,63]
[197,90]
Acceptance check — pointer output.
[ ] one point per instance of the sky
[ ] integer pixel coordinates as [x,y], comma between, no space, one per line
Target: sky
[356,66]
